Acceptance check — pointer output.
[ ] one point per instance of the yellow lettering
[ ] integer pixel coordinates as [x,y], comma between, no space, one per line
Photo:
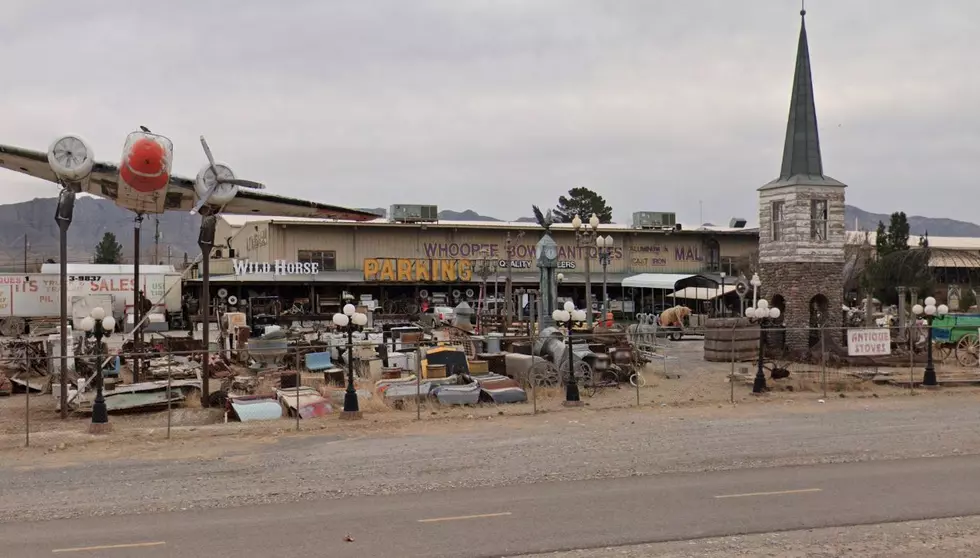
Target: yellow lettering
[370,268]
[387,271]
[448,271]
[404,270]
[465,270]
[422,270]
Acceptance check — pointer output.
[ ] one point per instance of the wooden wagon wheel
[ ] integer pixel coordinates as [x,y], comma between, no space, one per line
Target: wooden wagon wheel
[543,374]
[12,326]
[967,350]
[941,351]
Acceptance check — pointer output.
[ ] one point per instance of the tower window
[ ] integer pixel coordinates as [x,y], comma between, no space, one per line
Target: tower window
[777,220]
[818,219]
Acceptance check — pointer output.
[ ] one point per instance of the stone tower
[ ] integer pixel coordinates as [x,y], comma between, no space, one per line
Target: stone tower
[801,223]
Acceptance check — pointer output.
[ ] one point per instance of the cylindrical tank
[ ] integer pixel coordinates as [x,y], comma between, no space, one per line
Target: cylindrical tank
[728,338]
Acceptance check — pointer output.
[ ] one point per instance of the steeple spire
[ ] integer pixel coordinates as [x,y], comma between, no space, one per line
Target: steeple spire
[801,152]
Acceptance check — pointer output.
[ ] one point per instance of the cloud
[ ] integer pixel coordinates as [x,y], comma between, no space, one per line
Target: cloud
[494,105]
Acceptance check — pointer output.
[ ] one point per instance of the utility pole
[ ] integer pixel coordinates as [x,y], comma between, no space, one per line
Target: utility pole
[156,240]
[27,245]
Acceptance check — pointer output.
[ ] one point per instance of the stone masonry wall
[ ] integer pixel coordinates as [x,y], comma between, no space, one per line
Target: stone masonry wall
[798,283]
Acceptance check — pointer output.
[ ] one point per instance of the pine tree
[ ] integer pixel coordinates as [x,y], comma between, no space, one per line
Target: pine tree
[582,202]
[108,251]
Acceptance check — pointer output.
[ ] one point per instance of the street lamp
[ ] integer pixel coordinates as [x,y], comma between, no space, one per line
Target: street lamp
[568,316]
[762,314]
[756,283]
[605,246]
[98,325]
[63,216]
[586,238]
[931,311]
[350,319]
[722,297]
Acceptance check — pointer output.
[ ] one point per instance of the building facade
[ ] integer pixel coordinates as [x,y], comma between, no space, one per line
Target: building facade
[323,259]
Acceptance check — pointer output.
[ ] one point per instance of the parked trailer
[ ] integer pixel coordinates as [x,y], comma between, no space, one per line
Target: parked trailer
[24,297]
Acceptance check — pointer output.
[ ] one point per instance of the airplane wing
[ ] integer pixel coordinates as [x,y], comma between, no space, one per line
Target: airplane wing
[180,196]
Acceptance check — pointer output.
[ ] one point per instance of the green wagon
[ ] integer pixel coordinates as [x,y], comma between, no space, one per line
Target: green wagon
[958,334]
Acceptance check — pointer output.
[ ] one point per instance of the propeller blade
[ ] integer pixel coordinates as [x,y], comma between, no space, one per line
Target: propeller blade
[204,200]
[207,151]
[243,183]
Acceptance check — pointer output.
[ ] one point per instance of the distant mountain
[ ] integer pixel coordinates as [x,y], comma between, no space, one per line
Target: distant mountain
[444,215]
[918,225]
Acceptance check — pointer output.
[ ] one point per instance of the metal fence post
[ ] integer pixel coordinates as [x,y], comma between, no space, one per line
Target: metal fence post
[731,377]
[299,376]
[823,361]
[418,383]
[27,397]
[170,359]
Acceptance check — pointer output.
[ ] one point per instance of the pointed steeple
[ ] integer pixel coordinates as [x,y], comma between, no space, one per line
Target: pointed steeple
[802,162]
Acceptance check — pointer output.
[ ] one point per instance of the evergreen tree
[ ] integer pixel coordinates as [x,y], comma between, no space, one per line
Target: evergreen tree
[108,251]
[582,202]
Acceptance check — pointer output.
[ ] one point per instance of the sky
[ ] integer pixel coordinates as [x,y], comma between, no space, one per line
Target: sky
[494,105]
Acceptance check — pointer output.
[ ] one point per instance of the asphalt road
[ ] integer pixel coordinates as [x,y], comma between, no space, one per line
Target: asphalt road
[530,518]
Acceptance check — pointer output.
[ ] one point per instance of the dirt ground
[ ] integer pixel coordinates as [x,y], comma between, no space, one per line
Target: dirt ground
[693,383]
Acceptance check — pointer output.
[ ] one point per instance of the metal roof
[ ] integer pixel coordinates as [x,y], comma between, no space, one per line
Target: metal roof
[802,161]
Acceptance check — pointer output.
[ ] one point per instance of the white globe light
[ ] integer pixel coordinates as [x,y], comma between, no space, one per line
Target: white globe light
[340,319]
[917,309]
[578,315]
[349,310]
[569,306]
[561,316]
[109,324]
[750,312]
[576,222]
[943,310]
[88,324]
[560,277]
[774,313]
[360,319]
[97,313]
[762,304]
[930,310]
[600,241]
[756,282]
[556,315]
[594,221]
[930,301]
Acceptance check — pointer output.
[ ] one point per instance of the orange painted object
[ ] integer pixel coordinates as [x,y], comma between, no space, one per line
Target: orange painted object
[146,162]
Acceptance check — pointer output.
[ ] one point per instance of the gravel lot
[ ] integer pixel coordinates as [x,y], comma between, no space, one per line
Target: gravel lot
[222,465]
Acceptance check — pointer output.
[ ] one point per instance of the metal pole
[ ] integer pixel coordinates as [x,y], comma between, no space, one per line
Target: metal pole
[759,385]
[170,360]
[351,408]
[588,240]
[731,378]
[26,246]
[571,388]
[418,383]
[605,293]
[27,399]
[823,361]
[65,208]
[100,414]
[509,285]
[206,242]
[138,301]
[929,377]
[298,376]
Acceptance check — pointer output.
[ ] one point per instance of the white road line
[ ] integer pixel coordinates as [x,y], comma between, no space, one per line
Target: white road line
[779,493]
[462,517]
[109,547]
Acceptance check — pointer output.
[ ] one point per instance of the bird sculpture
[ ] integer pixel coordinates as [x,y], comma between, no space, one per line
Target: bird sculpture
[544,219]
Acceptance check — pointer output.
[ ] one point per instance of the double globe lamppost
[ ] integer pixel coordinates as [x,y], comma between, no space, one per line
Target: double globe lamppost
[764,315]
[930,311]
[350,319]
[99,325]
[568,316]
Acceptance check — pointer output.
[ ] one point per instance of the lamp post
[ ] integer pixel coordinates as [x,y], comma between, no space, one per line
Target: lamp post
[762,314]
[756,283]
[568,316]
[484,269]
[586,237]
[605,246]
[99,325]
[63,216]
[721,298]
[350,319]
[931,311]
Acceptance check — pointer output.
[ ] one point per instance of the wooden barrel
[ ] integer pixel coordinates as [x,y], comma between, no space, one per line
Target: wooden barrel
[436,371]
[728,338]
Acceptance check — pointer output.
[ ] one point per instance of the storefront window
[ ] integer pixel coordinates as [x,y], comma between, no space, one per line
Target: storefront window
[327,259]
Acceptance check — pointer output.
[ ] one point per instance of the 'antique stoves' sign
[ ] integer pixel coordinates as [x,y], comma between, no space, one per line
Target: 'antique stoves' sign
[415,270]
[278,267]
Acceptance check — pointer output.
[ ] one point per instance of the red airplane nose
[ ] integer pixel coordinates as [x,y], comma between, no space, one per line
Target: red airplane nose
[144,166]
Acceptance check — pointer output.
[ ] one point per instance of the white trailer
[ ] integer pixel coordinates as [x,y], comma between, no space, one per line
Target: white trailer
[38,295]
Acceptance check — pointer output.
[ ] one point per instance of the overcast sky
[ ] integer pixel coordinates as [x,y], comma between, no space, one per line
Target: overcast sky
[493,105]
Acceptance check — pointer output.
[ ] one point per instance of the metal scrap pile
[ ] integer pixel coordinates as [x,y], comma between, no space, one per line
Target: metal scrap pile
[24,362]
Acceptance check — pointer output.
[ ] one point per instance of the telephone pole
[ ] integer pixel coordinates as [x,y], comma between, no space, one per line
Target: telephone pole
[156,240]
[26,246]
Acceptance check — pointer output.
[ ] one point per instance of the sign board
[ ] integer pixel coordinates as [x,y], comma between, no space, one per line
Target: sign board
[401,270]
[869,342]
[38,295]
[278,267]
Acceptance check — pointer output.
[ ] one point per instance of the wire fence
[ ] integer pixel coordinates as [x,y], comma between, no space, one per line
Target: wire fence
[304,378]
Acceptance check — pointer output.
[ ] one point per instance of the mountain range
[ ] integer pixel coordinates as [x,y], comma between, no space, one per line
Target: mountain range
[94,217]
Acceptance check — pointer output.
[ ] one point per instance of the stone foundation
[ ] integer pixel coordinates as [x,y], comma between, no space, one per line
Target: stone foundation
[797,284]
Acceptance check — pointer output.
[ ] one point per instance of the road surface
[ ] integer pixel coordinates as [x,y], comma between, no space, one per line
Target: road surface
[530,518]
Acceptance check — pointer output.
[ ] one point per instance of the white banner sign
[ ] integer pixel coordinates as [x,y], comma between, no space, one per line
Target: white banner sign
[869,342]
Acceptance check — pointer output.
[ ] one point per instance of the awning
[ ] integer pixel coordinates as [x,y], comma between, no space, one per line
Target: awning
[668,281]
[703,293]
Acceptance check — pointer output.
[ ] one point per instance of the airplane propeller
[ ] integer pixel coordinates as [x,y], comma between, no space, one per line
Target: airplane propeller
[220,180]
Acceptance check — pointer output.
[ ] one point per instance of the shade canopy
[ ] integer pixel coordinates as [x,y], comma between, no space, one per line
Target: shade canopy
[668,281]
